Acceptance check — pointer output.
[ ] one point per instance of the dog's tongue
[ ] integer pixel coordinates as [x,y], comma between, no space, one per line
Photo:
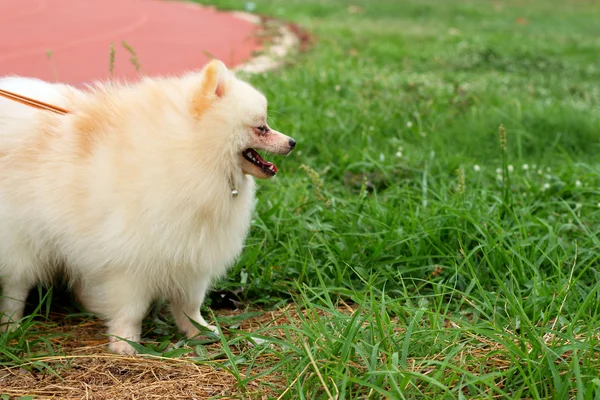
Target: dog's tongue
[265,164]
[267,167]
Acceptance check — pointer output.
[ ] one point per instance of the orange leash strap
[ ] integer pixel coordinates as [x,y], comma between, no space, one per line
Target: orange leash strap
[32,103]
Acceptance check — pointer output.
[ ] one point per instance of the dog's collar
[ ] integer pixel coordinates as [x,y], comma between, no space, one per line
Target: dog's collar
[234,184]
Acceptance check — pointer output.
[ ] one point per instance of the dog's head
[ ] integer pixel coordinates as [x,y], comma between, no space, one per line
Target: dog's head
[238,114]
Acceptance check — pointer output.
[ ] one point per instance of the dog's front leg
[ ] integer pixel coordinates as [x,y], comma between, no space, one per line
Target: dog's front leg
[188,307]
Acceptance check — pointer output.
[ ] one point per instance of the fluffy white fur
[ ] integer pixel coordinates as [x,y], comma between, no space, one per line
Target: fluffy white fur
[130,193]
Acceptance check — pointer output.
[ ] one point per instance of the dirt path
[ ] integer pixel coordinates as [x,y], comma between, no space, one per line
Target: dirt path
[70,41]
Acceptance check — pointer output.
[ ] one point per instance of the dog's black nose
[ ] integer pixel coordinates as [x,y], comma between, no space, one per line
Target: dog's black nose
[292,144]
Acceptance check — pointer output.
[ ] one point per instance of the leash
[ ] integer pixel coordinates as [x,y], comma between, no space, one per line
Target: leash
[32,102]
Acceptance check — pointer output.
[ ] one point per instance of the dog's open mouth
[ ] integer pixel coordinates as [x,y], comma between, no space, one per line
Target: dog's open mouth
[259,167]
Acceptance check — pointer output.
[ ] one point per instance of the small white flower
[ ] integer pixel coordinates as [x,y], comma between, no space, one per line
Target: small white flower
[381,157]
[546,186]
[399,154]
[498,170]
[511,168]
[598,204]
[540,172]
[525,167]
[476,168]
[577,206]
[409,124]
[578,183]
[250,6]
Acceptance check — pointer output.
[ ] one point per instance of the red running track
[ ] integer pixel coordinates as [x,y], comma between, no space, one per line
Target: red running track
[69,40]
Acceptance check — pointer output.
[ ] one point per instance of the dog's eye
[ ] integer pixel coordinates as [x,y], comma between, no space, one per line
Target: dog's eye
[262,129]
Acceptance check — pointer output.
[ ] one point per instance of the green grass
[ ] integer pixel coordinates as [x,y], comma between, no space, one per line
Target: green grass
[473,269]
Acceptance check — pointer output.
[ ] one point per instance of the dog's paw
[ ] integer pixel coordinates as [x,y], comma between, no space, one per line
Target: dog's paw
[213,329]
[192,333]
[121,347]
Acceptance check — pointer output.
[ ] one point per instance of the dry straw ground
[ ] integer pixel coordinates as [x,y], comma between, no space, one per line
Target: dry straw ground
[86,370]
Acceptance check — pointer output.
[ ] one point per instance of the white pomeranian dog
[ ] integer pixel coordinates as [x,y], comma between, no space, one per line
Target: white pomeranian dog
[139,192]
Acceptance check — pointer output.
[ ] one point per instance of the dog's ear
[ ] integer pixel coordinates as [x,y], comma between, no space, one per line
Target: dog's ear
[214,84]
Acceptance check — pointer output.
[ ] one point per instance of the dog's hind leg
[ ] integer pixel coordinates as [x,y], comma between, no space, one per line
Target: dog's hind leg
[20,270]
[12,302]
